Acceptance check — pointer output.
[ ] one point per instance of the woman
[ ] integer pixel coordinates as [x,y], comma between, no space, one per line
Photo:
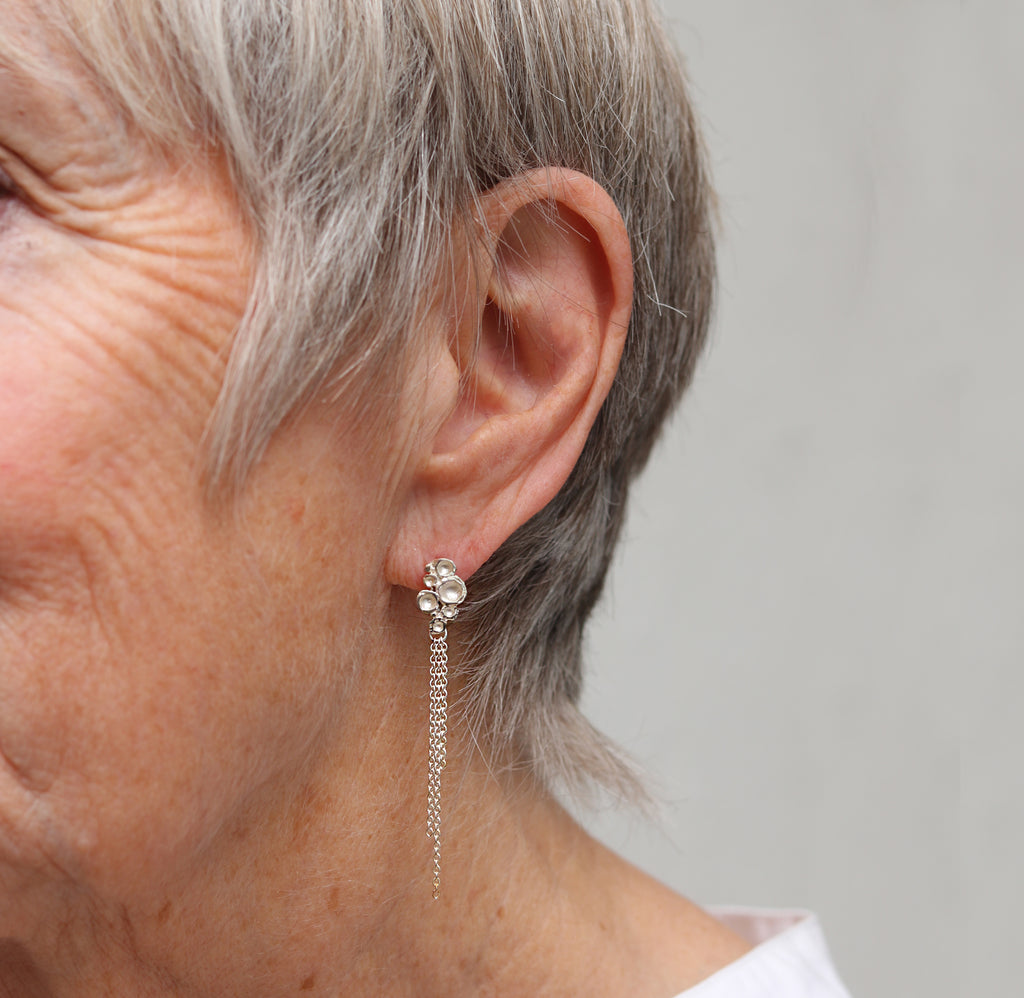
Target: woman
[294,299]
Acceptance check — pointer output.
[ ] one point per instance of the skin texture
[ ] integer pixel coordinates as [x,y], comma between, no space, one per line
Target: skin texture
[212,719]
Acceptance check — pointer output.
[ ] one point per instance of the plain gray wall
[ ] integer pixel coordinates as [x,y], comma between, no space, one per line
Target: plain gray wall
[813,630]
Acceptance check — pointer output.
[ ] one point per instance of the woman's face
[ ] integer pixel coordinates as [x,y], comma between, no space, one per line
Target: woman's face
[154,681]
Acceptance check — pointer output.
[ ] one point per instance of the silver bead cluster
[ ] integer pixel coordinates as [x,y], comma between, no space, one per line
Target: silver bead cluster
[443,593]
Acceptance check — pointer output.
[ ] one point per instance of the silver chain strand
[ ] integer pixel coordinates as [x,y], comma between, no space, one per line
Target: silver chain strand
[438,734]
[441,595]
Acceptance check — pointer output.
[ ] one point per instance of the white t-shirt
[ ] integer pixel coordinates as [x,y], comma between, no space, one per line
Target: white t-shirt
[789,958]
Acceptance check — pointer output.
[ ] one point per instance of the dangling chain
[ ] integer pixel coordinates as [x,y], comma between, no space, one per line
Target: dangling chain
[438,732]
[443,593]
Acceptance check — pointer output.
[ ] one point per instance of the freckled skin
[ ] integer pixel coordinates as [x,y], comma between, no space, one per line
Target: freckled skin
[108,365]
[132,684]
[212,718]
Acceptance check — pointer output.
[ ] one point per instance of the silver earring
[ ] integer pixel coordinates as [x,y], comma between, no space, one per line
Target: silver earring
[442,593]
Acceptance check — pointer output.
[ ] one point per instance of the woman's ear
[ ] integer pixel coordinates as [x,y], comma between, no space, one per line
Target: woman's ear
[539,333]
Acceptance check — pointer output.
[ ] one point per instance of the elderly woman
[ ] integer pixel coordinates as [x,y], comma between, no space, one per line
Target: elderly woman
[332,333]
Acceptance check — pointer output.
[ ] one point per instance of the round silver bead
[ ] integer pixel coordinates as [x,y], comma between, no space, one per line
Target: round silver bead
[444,567]
[426,601]
[452,590]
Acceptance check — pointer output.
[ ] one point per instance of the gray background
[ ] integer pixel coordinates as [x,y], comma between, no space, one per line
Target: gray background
[812,630]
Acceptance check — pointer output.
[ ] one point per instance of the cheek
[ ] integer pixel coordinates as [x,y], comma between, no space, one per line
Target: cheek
[129,687]
[118,692]
[66,684]
[160,667]
[41,454]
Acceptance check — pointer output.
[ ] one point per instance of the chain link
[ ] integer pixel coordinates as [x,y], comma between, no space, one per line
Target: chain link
[438,734]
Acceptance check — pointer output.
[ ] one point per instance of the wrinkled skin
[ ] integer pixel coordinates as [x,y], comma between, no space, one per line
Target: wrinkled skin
[212,738]
[151,645]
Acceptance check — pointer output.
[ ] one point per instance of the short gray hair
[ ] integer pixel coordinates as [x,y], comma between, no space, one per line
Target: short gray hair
[359,133]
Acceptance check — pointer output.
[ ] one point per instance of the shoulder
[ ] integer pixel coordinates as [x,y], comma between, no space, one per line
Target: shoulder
[789,958]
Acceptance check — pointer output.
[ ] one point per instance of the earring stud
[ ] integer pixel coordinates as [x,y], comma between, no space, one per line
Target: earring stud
[441,596]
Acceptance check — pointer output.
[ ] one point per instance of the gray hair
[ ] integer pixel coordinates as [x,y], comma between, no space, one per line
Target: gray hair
[359,133]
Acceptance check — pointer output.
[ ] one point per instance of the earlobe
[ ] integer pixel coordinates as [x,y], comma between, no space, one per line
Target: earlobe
[538,344]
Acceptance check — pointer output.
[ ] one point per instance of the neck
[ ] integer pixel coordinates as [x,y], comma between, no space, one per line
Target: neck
[311,894]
